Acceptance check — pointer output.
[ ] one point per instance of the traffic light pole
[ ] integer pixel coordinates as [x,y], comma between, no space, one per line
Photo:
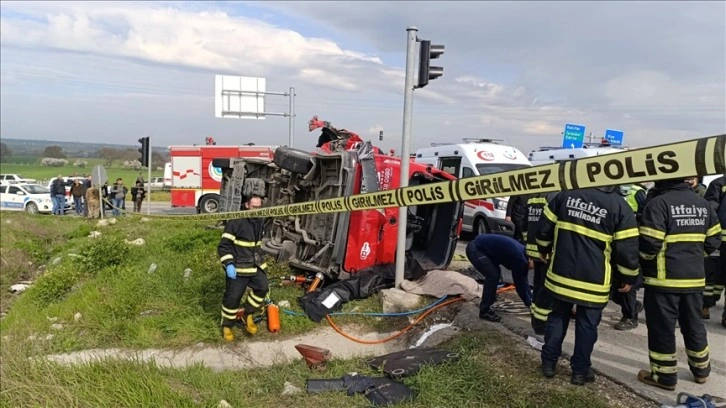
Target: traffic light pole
[148,183]
[405,148]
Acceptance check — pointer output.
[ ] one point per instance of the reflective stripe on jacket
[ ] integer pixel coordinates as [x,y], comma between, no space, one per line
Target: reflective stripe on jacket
[677,228]
[716,196]
[535,205]
[586,232]
[240,245]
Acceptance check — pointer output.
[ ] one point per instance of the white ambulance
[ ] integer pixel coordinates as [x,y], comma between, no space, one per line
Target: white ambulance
[547,155]
[476,157]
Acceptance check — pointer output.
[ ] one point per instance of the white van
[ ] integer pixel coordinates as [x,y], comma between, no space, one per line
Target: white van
[476,157]
[167,176]
[547,155]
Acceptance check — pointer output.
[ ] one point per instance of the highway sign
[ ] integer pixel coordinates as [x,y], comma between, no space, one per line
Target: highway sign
[615,137]
[574,136]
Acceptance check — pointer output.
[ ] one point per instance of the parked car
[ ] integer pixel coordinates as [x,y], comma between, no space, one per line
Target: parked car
[15,179]
[341,244]
[157,184]
[32,198]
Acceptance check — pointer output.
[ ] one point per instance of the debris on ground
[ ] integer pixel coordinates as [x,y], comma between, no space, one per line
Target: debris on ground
[56,261]
[408,362]
[94,234]
[102,223]
[381,391]
[284,303]
[56,326]
[395,301]
[431,330]
[187,273]
[152,268]
[137,242]
[315,357]
[223,404]
[536,343]
[290,389]
[112,221]
[20,287]
[77,316]
[144,219]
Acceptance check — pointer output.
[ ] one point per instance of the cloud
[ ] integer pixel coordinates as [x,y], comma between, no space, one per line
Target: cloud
[517,71]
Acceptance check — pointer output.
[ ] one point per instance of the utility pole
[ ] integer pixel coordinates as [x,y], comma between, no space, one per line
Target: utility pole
[405,147]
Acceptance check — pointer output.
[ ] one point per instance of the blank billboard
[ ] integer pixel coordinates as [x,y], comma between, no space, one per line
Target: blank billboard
[238,97]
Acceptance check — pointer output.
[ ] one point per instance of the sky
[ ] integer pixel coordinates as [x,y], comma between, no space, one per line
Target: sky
[513,71]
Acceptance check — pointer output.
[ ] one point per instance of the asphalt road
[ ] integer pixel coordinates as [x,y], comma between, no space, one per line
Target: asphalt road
[621,354]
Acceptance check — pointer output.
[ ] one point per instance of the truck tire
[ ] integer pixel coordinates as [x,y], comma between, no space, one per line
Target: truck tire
[209,204]
[293,160]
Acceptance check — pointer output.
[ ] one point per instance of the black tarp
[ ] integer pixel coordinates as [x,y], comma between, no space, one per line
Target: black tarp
[408,362]
[360,286]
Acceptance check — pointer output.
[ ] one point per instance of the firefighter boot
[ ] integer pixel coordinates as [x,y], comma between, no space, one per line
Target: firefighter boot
[250,325]
[227,334]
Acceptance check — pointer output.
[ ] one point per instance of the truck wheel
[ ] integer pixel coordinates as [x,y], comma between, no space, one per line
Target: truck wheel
[209,204]
[293,160]
[481,226]
[31,208]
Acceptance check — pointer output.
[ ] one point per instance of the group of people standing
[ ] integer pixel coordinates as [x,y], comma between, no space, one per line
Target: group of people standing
[87,197]
[590,246]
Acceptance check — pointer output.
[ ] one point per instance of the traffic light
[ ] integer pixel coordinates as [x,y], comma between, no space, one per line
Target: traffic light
[427,72]
[144,150]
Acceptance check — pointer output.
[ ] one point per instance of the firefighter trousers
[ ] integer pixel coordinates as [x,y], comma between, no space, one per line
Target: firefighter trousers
[586,321]
[234,291]
[627,301]
[541,298]
[715,279]
[662,310]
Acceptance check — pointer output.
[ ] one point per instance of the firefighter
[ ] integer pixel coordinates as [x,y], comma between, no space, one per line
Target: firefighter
[517,214]
[716,195]
[541,299]
[636,196]
[677,228]
[241,256]
[588,227]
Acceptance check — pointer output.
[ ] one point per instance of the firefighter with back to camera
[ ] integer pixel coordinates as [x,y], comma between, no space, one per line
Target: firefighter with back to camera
[541,299]
[580,230]
[716,195]
[677,228]
[242,259]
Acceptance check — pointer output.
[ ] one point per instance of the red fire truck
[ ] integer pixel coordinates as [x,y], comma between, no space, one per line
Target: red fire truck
[196,182]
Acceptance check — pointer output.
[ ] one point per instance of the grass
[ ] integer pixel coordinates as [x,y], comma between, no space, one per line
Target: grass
[36,171]
[122,305]
[107,281]
[484,376]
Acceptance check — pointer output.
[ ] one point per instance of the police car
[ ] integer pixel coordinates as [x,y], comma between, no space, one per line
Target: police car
[32,198]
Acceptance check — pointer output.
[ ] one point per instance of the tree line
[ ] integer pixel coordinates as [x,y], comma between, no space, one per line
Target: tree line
[108,154]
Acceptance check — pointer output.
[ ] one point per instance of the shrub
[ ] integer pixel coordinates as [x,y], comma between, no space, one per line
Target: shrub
[193,238]
[54,285]
[104,252]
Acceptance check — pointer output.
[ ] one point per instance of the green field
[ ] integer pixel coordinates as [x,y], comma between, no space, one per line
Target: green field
[36,171]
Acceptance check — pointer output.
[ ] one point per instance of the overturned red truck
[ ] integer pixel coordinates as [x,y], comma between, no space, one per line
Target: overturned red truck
[340,244]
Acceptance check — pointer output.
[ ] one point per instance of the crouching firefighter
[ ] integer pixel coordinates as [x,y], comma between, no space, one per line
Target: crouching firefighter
[242,259]
[677,228]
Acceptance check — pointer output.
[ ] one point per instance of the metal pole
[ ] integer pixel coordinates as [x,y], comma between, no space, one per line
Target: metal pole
[405,147]
[292,115]
[148,201]
[289,118]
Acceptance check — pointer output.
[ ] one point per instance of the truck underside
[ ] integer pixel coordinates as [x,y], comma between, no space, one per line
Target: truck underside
[337,244]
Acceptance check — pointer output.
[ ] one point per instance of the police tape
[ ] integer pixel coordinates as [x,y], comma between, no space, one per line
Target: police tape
[702,156]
